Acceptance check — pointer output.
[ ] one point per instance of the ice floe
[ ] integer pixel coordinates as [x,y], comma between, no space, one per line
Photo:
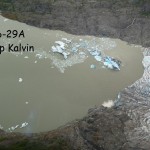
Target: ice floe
[60,50]
[26,57]
[77,51]
[13,128]
[108,104]
[66,40]
[5,20]
[93,66]
[20,79]
[61,44]
[81,48]
[39,56]
[98,58]
[26,103]
[24,125]
[63,64]
[1,127]
[112,63]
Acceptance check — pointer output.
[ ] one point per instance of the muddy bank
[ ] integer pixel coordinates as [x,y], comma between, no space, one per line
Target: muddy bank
[125,126]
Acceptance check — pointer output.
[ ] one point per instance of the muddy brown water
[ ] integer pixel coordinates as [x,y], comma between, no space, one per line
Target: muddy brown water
[47,98]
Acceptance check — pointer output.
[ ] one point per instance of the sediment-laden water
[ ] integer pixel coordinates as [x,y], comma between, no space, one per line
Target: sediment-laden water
[44,91]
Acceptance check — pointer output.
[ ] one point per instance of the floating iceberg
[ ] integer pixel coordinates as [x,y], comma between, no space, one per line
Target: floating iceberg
[82,53]
[61,44]
[93,66]
[26,57]
[108,65]
[79,50]
[61,51]
[108,104]
[96,54]
[98,58]
[1,127]
[39,56]
[24,125]
[20,79]
[27,103]
[66,40]
[13,128]
[112,63]
[74,49]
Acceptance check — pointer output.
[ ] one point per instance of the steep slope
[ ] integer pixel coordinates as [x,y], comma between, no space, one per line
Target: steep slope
[128,20]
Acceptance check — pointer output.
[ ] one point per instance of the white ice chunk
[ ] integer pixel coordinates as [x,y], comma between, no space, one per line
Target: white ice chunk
[93,66]
[16,126]
[24,125]
[82,53]
[98,58]
[54,49]
[95,53]
[115,65]
[108,104]
[1,127]
[66,40]
[74,49]
[39,56]
[5,20]
[111,64]
[61,44]
[108,65]
[20,79]
[58,49]
[13,128]
[26,57]
[65,54]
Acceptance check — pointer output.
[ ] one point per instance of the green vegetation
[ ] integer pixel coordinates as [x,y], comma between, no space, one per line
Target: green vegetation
[146,14]
[26,144]
[6,5]
[3,139]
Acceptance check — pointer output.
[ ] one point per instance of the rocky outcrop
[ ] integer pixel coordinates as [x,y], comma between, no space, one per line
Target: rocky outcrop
[135,101]
[126,125]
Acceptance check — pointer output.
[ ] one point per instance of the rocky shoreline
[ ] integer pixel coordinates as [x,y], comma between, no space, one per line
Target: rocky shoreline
[126,125]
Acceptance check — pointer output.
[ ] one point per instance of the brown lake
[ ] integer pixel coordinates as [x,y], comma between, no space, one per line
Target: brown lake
[46,91]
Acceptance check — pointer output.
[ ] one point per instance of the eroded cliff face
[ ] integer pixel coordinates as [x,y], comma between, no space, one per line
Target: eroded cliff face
[125,126]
